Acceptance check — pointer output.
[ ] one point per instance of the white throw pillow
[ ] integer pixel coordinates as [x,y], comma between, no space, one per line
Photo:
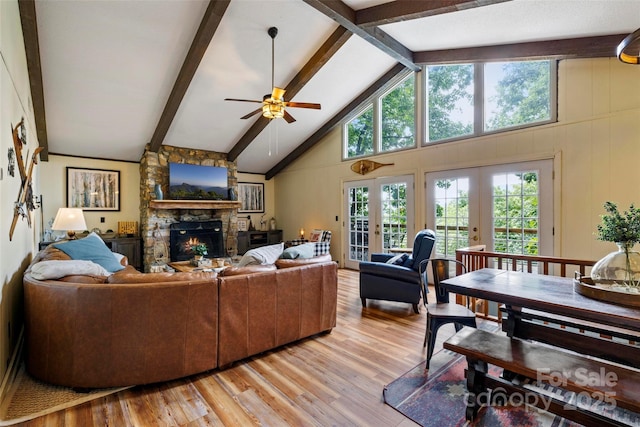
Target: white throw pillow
[262,255]
[56,269]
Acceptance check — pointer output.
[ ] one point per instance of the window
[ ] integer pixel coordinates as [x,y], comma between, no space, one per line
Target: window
[513,94]
[360,134]
[449,101]
[516,93]
[460,101]
[398,116]
[387,124]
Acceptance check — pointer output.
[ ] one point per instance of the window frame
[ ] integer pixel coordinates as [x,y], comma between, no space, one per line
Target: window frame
[478,102]
[376,102]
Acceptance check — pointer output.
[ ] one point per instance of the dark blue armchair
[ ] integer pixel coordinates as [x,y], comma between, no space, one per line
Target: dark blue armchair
[392,282]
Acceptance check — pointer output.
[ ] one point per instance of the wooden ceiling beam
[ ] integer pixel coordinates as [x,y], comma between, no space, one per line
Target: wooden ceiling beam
[335,41]
[380,85]
[404,10]
[345,16]
[584,47]
[208,26]
[29,23]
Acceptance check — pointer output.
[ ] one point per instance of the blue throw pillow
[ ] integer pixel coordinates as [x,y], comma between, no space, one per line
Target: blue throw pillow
[91,248]
[398,259]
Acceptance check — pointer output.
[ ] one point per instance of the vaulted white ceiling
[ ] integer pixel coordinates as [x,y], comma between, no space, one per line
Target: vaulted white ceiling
[108,67]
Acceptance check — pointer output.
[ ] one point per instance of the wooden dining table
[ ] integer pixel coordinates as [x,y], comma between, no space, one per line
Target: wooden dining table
[548,309]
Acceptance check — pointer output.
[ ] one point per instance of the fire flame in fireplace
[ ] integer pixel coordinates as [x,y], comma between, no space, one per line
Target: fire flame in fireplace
[191,242]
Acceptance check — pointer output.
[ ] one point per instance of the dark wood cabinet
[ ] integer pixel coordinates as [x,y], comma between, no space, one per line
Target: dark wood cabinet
[254,239]
[131,247]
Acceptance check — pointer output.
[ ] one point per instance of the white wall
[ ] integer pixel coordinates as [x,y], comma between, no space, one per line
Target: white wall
[15,103]
[595,145]
[53,184]
[269,199]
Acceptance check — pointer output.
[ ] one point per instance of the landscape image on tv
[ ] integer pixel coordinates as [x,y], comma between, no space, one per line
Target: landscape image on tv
[195,182]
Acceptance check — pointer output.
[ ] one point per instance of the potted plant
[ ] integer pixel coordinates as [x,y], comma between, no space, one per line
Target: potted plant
[623,266]
[199,251]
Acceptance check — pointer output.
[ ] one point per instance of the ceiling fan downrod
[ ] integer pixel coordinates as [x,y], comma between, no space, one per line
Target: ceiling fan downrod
[273,32]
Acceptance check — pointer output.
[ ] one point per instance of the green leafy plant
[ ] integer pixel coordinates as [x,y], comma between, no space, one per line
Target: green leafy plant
[199,249]
[620,227]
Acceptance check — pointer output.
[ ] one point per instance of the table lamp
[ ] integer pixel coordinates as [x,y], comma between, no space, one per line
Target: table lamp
[69,219]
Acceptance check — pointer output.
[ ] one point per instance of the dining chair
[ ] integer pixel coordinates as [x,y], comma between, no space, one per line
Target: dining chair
[442,312]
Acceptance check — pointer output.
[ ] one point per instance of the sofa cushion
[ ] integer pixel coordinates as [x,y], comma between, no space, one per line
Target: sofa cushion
[286,263]
[55,269]
[247,269]
[91,248]
[84,278]
[301,251]
[262,255]
[178,276]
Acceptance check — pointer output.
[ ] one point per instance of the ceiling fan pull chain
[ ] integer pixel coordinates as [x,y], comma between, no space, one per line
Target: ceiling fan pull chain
[270,132]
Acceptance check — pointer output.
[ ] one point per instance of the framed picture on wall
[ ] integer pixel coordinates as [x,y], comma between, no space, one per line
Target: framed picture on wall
[93,189]
[251,195]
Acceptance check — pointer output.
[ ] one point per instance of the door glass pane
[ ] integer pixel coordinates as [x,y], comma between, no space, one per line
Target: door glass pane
[451,215]
[515,213]
[359,223]
[394,216]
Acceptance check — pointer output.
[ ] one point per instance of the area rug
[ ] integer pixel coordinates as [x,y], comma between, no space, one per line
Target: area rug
[29,398]
[437,397]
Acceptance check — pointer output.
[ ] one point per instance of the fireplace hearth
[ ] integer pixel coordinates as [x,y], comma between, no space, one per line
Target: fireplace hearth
[186,233]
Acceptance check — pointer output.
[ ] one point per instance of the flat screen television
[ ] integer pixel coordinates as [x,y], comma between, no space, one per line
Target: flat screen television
[197,182]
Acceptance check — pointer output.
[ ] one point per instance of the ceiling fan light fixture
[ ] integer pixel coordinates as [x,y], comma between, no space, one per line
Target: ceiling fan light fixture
[629,49]
[273,111]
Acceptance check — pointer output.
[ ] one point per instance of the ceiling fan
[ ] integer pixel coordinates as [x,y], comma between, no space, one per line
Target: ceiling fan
[273,105]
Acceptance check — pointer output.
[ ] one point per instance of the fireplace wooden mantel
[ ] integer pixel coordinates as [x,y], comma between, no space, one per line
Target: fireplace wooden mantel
[194,204]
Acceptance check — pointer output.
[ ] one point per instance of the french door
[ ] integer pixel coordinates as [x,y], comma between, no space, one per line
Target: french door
[379,216]
[507,208]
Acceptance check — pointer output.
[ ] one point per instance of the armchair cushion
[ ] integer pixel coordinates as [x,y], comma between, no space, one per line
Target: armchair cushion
[392,271]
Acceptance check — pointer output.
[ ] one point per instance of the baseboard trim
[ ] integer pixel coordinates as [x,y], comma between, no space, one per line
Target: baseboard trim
[12,370]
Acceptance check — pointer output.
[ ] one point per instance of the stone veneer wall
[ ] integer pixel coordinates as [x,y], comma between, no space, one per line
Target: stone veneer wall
[154,228]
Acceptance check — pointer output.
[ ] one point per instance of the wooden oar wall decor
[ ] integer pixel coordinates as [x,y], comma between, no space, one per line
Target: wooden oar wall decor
[365,166]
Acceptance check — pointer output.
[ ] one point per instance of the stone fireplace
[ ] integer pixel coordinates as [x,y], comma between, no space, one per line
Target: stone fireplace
[156,221]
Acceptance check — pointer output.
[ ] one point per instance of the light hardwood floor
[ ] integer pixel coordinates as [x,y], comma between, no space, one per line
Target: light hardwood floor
[330,379]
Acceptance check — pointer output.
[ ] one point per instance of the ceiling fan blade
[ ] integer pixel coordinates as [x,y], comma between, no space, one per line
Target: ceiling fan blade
[277,93]
[242,100]
[253,113]
[288,117]
[303,105]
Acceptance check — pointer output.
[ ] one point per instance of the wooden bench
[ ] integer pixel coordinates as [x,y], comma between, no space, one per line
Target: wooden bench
[613,385]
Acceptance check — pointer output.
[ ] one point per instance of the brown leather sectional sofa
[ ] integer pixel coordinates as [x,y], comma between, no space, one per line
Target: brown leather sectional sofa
[136,328]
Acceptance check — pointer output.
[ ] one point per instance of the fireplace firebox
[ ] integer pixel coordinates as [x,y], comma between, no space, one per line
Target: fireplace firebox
[186,233]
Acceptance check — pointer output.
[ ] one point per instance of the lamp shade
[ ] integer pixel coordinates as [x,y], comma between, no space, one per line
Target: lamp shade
[69,219]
